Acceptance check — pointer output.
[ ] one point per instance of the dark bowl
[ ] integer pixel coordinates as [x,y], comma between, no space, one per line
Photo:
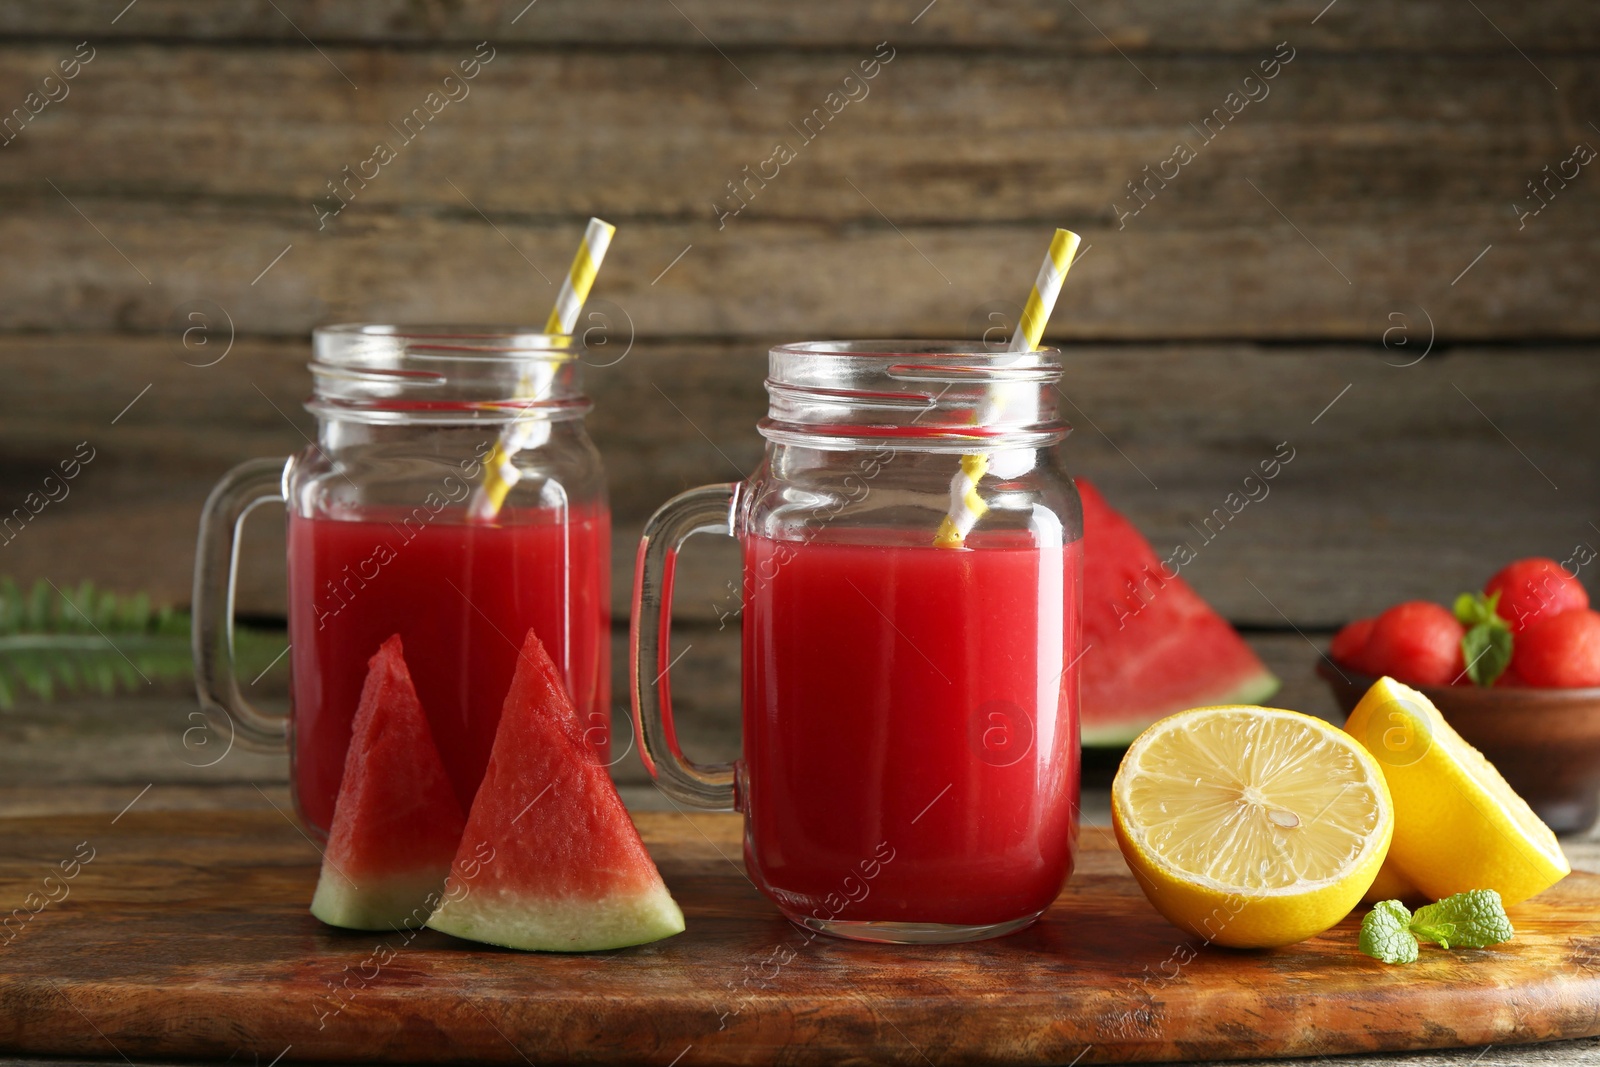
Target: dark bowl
[1546,742]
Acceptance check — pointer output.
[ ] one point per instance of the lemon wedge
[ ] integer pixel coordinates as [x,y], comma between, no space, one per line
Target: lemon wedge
[1251,827]
[1458,825]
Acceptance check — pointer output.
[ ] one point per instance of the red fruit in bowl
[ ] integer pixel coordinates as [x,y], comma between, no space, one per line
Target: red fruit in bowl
[1509,677]
[1350,643]
[1415,642]
[1560,651]
[1535,589]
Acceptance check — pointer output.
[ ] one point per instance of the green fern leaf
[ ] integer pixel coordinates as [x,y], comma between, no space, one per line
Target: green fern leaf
[36,615]
[54,643]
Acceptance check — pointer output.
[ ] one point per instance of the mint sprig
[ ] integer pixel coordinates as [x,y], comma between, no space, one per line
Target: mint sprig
[1486,646]
[1474,919]
[1386,933]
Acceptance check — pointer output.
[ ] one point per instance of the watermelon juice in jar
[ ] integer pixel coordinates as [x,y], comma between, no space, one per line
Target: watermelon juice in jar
[392,531]
[457,593]
[910,752]
[935,677]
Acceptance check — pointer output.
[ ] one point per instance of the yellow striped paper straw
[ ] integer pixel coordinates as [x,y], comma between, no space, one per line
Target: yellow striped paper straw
[580,278]
[966,506]
[1046,287]
[499,472]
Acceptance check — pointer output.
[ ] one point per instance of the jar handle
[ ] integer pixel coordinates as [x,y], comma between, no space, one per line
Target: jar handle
[216,568]
[709,509]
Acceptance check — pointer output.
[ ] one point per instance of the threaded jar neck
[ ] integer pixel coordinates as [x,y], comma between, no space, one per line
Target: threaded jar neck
[937,396]
[378,373]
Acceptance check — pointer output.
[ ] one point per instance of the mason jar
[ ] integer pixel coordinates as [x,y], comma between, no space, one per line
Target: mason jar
[451,496]
[910,633]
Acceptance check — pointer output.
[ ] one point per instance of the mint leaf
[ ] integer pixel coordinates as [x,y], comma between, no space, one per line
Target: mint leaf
[1475,919]
[1386,933]
[1486,648]
[1474,609]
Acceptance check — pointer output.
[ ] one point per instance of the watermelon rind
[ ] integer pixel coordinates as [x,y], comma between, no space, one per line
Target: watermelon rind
[545,924]
[376,905]
[1257,687]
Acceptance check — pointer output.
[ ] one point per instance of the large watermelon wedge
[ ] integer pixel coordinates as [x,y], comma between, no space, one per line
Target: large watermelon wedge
[1153,646]
[549,859]
[397,822]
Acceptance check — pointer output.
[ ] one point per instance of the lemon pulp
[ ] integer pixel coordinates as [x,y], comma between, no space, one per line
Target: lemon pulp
[1251,826]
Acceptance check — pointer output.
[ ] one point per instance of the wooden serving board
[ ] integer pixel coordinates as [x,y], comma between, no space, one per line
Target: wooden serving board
[187,934]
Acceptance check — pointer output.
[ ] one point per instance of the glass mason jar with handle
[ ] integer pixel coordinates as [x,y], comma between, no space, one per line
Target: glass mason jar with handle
[910,750]
[389,532]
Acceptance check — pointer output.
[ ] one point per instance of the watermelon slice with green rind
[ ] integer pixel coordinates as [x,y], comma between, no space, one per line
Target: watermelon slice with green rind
[549,858]
[1153,646]
[396,822]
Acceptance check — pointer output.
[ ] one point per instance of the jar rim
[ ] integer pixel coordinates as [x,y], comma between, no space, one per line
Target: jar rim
[938,349]
[480,341]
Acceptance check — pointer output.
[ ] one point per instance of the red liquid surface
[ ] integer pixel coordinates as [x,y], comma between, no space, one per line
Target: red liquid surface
[461,597]
[910,728]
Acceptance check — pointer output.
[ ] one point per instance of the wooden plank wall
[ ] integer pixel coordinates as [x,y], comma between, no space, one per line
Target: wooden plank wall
[1351,261]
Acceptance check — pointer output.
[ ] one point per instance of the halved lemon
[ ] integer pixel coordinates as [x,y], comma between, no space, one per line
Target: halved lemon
[1251,827]
[1458,825]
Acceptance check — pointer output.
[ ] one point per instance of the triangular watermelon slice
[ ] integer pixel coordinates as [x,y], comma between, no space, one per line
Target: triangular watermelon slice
[549,859]
[1154,647]
[397,822]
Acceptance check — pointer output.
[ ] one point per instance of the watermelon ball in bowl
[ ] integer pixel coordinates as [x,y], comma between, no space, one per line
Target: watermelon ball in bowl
[1561,651]
[1544,741]
[1416,642]
[1535,590]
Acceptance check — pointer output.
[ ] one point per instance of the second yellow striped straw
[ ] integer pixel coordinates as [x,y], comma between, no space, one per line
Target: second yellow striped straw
[499,472]
[966,506]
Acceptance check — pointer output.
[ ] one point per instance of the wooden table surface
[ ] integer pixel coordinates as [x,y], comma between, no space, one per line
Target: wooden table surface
[95,755]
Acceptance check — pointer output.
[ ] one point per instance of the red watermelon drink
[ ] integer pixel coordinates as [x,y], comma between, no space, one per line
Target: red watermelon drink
[461,596]
[915,707]
[910,597]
